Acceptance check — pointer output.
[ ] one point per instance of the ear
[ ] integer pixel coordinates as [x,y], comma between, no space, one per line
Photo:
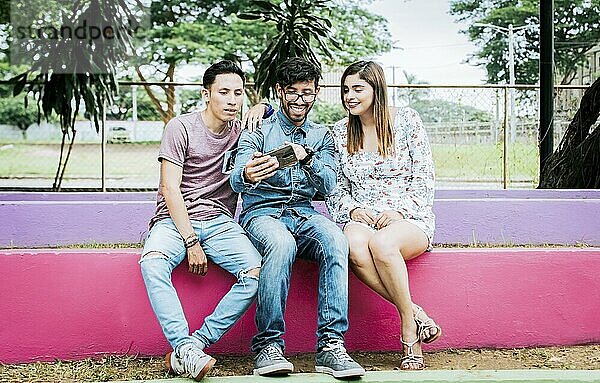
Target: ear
[205,95]
[318,90]
[278,90]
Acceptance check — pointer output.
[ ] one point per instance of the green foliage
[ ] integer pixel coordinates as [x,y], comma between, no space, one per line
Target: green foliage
[577,29]
[327,114]
[299,24]
[14,112]
[4,11]
[64,75]
[122,107]
[189,99]
[437,110]
[191,32]
[185,32]
[361,35]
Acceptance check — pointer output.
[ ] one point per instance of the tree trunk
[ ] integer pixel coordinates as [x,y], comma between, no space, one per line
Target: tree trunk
[153,98]
[23,129]
[170,92]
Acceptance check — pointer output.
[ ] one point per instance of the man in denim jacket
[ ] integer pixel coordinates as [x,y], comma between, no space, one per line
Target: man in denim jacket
[279,218]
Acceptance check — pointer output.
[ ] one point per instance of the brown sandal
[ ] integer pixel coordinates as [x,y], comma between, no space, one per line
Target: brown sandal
[424,325]
[411,357]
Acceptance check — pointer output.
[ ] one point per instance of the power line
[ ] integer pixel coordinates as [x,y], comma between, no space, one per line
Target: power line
[437,46]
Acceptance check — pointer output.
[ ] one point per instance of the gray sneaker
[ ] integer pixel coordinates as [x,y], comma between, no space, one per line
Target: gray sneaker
[189,360]
[270,361]
[334,360]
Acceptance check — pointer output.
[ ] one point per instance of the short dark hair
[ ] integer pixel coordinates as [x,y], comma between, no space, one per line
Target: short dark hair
[297,69]
[222,67]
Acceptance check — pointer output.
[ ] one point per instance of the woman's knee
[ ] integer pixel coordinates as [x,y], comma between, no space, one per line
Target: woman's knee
[360,259]
[381,244]
[358,237]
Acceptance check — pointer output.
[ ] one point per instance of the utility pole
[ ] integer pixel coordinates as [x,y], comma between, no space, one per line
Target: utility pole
[509,32]
[511,76]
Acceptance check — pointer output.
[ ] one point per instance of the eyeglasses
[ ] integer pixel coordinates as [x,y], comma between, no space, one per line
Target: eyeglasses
[306,97]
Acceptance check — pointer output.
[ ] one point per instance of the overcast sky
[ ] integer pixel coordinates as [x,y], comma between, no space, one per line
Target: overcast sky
[431,46]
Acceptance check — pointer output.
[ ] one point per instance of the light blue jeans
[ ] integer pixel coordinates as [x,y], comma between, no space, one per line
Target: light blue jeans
[226,245]
[309,236]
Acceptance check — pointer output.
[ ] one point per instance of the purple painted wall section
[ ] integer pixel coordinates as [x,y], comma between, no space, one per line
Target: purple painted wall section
[439,194]
[76,196]
[475,216]
[72,304]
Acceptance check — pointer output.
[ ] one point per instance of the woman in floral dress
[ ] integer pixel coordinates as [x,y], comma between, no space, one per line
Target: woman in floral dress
[384,197]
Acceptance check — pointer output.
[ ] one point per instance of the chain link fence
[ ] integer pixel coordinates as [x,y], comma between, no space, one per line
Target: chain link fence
[476,141]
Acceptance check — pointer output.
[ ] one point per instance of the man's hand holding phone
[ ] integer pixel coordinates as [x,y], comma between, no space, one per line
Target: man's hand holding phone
[260,167]
[299,150]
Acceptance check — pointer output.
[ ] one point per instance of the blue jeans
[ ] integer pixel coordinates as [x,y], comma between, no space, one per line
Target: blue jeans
[312,237]
[226,245]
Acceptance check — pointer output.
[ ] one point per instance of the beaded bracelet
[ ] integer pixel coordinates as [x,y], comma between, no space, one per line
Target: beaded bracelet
[191,243]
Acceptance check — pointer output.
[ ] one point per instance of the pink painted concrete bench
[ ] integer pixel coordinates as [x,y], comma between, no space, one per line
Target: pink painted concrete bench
[72,304]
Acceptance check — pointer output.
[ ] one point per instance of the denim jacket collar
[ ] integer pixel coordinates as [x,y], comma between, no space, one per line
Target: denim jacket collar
[288,127]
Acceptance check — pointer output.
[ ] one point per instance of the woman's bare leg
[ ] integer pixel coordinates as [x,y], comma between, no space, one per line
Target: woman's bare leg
[361,260]
[390,247]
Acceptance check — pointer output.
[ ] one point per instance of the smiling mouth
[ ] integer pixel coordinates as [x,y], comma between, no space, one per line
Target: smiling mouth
[297,109]
[231,110]
[352,105]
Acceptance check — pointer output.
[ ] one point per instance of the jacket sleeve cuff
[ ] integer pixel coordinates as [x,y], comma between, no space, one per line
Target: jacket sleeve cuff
[247,185]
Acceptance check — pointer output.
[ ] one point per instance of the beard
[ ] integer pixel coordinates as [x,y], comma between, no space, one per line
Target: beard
[296,115]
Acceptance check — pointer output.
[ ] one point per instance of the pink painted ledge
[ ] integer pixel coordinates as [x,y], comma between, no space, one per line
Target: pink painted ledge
[72,304]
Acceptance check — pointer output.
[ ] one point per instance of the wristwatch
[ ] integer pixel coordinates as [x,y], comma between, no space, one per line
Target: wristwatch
[270,110]
[309,155]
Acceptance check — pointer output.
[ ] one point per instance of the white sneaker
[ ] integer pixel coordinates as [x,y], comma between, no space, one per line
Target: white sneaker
[270,361]
[334,360]
[189,360]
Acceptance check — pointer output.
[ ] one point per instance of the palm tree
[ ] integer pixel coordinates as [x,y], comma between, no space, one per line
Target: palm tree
[68,71]
[576,162]
[414,94]
[298,25]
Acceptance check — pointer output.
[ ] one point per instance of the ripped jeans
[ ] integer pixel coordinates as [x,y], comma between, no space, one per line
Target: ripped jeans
[225,244]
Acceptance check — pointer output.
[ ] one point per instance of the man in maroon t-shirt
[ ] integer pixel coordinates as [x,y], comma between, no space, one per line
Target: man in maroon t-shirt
[194,218]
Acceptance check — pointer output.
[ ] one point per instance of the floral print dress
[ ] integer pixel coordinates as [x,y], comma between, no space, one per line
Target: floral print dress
[403,182]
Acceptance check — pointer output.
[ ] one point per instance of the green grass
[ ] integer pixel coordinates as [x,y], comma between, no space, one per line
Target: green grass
[484,162]
[464,162]
[40,160]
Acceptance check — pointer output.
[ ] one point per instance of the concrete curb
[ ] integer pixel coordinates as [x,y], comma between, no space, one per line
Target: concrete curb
[429,376]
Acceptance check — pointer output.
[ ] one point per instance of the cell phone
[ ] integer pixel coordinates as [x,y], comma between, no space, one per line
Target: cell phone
[285,156]
[229,161]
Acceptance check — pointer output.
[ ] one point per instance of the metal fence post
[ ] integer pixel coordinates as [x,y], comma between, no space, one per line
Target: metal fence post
[103,146]
[504,141]
[134,107]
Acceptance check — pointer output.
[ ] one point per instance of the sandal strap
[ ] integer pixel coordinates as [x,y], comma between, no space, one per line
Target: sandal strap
[424,325]
[410,356]
[410,344]
[412,359]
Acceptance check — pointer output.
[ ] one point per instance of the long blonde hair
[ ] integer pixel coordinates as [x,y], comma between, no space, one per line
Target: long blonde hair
[372,73]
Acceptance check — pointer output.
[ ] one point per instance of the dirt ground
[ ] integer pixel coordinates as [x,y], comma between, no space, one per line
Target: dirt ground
[134,368]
